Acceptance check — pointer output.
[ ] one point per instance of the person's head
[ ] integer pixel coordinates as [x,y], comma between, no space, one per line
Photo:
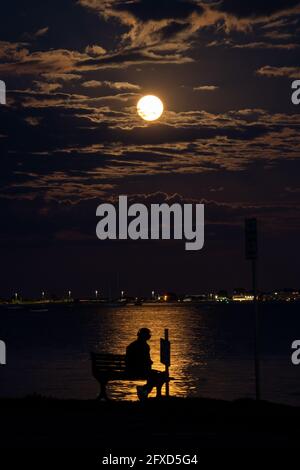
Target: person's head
[144,334]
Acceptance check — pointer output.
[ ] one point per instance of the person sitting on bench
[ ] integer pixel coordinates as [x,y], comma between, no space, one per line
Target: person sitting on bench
[138,365]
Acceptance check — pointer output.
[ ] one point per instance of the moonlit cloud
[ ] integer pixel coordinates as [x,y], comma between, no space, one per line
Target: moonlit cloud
[109,84]
[41,32]
[271,71]
[205,88]
[95,50]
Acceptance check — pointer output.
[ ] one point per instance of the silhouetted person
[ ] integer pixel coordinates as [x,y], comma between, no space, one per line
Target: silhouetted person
[138,365]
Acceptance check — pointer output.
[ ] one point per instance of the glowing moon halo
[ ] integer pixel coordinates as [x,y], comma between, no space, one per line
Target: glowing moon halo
[150,107]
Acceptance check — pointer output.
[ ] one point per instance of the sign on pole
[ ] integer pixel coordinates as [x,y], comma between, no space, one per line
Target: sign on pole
[165,352]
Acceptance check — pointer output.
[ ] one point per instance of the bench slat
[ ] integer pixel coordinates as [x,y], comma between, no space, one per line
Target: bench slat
[109,363]
[109,367]
[103,356]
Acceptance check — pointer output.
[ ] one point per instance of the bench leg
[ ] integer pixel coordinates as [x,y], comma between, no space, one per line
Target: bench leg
[103,395]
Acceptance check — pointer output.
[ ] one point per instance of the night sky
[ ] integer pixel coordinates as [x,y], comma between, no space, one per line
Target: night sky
[70,139]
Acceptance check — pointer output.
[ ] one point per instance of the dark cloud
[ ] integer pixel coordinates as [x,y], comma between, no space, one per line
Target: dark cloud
[145,10]
[132,57]
[172,29]
[255,8]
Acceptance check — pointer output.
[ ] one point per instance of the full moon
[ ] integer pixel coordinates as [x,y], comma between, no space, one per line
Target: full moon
[150,107]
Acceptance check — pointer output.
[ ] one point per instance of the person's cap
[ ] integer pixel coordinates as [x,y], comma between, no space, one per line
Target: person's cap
[144,332]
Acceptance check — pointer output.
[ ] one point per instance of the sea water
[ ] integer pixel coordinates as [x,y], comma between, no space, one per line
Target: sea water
[211,349]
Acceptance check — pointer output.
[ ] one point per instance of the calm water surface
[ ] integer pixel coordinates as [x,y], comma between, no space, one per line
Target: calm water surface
[212,349]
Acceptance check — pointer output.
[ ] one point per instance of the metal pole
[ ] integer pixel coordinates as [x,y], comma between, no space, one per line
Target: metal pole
[166,366]
[256,333]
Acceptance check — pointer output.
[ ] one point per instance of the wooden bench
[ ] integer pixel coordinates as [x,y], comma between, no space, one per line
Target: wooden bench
[109,367]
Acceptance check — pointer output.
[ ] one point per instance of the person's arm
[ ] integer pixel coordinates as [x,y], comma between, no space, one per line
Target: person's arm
[149,361]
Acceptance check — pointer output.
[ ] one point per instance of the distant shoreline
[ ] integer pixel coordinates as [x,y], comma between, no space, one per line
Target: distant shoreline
[99,303]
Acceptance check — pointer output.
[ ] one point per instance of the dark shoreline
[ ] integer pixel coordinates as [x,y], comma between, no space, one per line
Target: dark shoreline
[174,423]
[93,303]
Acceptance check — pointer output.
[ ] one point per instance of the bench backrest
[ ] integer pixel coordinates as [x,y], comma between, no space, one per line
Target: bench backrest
[102,362]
